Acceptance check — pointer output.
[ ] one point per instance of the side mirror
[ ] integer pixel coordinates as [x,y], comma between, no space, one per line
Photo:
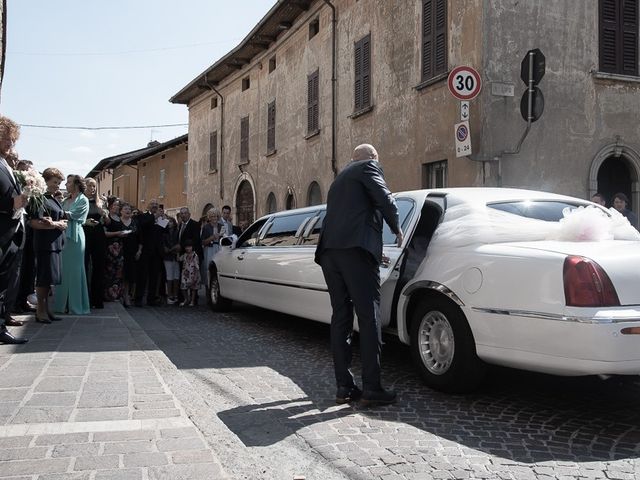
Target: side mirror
[227,242]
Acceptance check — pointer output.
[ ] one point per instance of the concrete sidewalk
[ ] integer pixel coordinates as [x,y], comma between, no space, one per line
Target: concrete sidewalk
[84,400]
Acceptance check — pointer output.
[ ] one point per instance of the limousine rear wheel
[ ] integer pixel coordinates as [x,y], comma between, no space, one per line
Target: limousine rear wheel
[443,347]
[216,300]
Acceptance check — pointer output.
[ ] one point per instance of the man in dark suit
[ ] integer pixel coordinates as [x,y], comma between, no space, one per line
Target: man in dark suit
[349,252]
[11,229]
[149,260]
[189,230]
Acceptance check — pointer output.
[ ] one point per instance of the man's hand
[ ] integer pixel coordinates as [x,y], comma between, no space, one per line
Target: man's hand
[19,201]
[399,238]
[60,224]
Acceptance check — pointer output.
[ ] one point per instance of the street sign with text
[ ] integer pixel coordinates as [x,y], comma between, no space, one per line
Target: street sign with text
[464,83]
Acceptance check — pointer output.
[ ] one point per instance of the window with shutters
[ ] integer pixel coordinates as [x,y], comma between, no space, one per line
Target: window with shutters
[143,188]
[213,151]
[244,140]
[313,124]
[271,128]
[362,84]
[185,177]
[618,27]
[434,39]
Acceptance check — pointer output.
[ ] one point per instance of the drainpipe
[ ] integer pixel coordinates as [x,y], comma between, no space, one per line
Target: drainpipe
[334,22]
[220,169]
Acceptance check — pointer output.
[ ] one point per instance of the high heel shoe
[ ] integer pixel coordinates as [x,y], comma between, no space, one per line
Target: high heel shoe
[42,320]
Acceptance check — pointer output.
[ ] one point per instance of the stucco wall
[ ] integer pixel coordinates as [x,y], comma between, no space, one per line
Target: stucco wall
[582,113]
[175,195]
[409,126]
[125,184]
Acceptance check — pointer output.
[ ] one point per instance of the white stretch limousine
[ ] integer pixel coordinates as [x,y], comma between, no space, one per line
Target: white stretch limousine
[519,278]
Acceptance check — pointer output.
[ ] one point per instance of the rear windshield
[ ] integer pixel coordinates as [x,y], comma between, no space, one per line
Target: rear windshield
[550,211]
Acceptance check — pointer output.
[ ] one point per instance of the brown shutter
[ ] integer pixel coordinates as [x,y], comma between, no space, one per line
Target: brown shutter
[271,127]
[366,71]
[440,35]
[313,92]
[213,150]
[618,31]
[357,87]
[630,37]
[427,39]
[244,140]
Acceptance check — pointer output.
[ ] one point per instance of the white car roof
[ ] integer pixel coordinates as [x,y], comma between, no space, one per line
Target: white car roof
[487,194]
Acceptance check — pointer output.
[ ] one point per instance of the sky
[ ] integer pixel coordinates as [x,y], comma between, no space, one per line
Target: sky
[110,63]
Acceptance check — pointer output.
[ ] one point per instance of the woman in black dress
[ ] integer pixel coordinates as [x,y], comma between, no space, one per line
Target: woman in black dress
[131,250]
[48,226]
[114,259]
[95,245]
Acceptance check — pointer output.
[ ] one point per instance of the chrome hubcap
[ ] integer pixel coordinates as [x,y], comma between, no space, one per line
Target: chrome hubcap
[436,342]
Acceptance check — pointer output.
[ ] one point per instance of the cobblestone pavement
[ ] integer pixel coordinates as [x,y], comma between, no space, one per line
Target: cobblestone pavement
[269,379]
[83,400]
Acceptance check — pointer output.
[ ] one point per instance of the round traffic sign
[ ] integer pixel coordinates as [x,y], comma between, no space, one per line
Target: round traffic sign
[462,132]
[464,83]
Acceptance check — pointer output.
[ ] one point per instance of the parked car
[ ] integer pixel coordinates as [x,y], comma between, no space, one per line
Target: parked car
[519,278]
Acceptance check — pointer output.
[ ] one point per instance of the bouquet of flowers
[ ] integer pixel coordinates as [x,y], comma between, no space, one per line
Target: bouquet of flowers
[33,186]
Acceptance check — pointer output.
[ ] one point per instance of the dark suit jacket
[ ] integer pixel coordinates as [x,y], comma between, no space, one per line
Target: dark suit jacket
[191,232]
[9,189]
[357,202]
[150,235]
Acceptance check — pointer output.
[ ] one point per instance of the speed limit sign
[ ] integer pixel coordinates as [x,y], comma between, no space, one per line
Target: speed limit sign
[464,83]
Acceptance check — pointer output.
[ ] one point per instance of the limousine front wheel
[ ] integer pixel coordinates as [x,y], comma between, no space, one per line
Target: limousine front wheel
[217,301]
[442,346]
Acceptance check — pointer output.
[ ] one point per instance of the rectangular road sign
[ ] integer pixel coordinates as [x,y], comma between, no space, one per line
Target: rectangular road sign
[463,139]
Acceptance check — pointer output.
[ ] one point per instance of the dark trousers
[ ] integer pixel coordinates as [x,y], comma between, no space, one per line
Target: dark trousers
[353,280]
[9,273]
[95,253]
[27,270]
[148,276]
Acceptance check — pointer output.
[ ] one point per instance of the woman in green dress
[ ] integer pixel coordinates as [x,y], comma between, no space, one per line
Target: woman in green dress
[72,295]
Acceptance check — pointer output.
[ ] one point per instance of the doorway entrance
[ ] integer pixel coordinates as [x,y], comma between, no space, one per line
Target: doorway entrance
[244,205]
[614,176]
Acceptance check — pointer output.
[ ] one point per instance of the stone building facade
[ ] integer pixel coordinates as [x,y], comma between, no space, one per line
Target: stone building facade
[264,134]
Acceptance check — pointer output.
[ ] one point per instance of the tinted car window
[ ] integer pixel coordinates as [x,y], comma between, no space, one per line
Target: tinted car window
[312,238]
[283,230]
[249,237]
[550,211]
[405,208]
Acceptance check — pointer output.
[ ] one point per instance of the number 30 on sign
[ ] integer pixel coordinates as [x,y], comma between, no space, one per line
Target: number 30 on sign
[464,83]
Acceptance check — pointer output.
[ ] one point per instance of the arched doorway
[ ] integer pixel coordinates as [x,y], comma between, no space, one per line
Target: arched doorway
[244,204]
[314,195]
[614,175]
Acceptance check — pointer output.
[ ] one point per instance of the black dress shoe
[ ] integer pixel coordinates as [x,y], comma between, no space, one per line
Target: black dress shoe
[371,398]
[8,339]
[53,318]
[42,320]
[348,394]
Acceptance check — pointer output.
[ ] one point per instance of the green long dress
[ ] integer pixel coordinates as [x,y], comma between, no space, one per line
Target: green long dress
[72,294]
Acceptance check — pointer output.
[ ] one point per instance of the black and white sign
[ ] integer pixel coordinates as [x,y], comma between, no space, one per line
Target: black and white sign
[464,83]
[464,110]
[463,139]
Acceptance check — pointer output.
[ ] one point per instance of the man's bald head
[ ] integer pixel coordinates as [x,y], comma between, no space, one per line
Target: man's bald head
[364,152]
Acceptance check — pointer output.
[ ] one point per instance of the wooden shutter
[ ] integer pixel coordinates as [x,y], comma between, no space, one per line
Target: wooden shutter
[313,123]
[362,85]
[244,140]
[629,37]
[271,127]
[618,30]
[434,38]
[213,150]
[440,35]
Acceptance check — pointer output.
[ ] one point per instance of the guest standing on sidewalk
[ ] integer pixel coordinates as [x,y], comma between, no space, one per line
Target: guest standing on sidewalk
[114,259]
[130,247]
[48,225]
[72,295]
[95,245]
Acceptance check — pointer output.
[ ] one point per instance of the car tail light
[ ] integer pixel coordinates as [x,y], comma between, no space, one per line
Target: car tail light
[586,284]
